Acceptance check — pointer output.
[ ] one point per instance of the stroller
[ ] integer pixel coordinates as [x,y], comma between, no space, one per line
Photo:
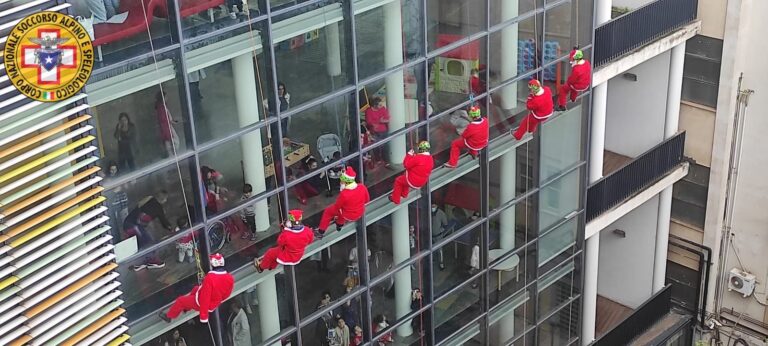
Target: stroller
[327,145]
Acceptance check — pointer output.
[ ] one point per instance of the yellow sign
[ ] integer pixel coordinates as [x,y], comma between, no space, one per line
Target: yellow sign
[48,56]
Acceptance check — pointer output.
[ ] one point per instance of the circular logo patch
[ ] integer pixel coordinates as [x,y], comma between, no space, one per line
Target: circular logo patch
[48,56]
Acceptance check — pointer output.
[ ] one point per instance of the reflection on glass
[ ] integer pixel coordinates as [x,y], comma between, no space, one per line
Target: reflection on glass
[512,273]
[242,316]
[562,327]
[557,32]
[516,53]
[451,20]
[122,29]
[156,278]
[456,74]
[383,239]
[515,226]
[142,128]
[511,318]
[512,174]
[202,17]
[557,287]
[455,310]
[152,206]
[376,49]
[561,142]
[225,96]
[505,10]
[558,199]
[558,243]
[388,300]
[310,49]
[457,261]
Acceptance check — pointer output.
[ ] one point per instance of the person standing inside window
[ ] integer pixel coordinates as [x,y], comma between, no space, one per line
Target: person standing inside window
[125,134]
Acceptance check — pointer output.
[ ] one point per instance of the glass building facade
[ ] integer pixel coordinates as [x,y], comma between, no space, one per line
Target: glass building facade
[192,100]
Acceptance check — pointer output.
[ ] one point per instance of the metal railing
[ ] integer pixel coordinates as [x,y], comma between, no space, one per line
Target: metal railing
[644,25]
[635,176]
[639,321]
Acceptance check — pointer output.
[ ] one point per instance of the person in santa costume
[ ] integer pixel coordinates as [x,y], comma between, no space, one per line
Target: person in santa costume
[540,107]
[474,137]
[290,244]
[578,81]
[205,298]
[418,167]
[349,206]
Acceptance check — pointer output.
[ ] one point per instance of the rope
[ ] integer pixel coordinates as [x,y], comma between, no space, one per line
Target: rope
[198,264]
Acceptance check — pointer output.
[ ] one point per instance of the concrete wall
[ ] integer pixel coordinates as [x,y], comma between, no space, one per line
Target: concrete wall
[626,264]
[636,109]
[711,13]
[699,124]
[750,222]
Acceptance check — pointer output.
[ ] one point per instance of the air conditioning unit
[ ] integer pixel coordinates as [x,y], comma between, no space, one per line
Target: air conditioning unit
[741,281]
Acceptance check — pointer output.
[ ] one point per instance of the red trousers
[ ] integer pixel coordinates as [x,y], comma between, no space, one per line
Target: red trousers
[400,189]
[456,147]
[329,214]
[269,261]
[183,304]
[528,124]
[566,89]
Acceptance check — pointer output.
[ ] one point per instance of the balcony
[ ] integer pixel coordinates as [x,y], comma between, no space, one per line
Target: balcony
[652,323]
[640,27]
[639,174]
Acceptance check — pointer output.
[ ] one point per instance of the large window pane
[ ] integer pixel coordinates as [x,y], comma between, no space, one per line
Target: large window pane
[245,307]
[558,242]
[452,263]
[562,327]
[152,206]
[514,51]
[450,20]
[455,310]
[311,41]
[512,174]
[515,226]
[557,33]
[384,296]
[557,287]
[405,20]
[228,85]
[383,239]
[505,10]
[199,18]
[511,318]
[450,75]
[558,199]
[510,274]
[561,142]
[321,131]
[142,128]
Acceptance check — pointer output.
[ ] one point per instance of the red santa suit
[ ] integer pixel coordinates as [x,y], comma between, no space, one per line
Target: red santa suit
[540,106]
[474,138]
[290,244]
[418,167]
[205,298]
[349,206]
[578,81]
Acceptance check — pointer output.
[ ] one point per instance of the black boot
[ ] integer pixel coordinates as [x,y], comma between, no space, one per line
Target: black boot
[163,316]
[561,108]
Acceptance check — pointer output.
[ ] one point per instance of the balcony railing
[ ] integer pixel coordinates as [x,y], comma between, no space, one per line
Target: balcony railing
[639,321]
[642,26]
[635,176]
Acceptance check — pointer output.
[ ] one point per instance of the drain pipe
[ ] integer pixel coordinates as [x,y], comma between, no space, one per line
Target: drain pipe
[742,103]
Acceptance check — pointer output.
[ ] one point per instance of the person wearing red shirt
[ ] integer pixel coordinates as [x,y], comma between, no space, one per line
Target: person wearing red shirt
[474,137]
[476,85]
[290,244]
[578,81]
[205,298]
[540,107]
[349,206]
[377,118]
[418,167]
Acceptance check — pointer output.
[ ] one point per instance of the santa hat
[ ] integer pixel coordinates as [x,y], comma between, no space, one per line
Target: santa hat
[217,260]
[349,175]
[576,54]
[534,85]
[294,215]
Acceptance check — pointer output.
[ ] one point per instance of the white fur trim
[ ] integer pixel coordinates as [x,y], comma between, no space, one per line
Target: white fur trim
[287,263]
[288,229]
[540,118]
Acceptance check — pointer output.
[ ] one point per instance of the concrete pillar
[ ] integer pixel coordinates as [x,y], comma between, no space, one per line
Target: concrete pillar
[507,188]
[597,146]
[671,121]
[504,329]
[269,315]
[508,54]
[246,100]
[333,50]
[401,251]
[393,56]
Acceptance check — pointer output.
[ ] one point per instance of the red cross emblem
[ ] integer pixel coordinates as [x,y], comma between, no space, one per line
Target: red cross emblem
[31,58]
